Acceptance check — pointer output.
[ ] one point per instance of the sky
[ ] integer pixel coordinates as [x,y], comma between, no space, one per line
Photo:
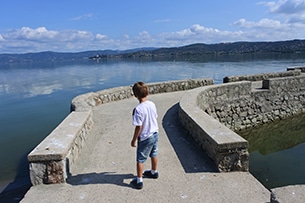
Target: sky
[79,25]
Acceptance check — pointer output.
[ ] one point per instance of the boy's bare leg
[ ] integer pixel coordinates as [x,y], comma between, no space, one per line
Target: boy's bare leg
[140,168]
[154,163]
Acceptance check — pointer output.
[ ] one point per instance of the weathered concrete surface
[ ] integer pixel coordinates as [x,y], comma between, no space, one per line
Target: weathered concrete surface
[293,193]
[107,164]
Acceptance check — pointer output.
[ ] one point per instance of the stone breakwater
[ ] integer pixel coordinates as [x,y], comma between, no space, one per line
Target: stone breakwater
[85,102]
[236,105]
[263,76]
[241,105]
[50,162]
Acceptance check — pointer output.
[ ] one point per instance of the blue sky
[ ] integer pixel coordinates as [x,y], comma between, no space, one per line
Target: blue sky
[79,25]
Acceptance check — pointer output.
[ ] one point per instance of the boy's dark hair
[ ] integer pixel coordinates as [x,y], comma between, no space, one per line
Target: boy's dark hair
[140,89]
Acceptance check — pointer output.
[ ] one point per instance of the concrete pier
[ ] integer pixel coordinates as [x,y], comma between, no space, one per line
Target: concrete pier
[103,170]
[106,165]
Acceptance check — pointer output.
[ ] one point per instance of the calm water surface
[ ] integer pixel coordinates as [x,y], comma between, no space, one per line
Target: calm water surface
[35,98]
[277,152]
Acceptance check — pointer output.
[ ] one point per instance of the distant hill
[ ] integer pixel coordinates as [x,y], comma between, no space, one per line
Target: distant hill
[42,57]
[50,56]
[199,49]
[293,46]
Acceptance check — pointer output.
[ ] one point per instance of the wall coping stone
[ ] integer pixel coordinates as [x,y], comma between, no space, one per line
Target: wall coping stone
[300,68]
[219,133]
[57,144]
[51,160]
[217,140]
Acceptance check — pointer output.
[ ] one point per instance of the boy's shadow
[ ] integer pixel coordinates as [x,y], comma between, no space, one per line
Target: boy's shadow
[100,178]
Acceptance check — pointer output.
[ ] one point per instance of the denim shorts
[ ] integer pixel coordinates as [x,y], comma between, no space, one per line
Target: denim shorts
[148,147]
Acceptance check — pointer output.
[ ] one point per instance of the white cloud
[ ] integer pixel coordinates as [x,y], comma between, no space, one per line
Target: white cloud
[270,30]
[264,23]
[39,39]
[142,39]
[28,39]
[198,34]
[291,11]
[75,35]
[286,6]
[83,17]
[144,36]
[196,30]
[162,21]
[100,36]
[42,34]
[26,33]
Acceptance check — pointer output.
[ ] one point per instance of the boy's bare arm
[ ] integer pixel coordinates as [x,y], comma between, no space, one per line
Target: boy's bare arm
[136,134]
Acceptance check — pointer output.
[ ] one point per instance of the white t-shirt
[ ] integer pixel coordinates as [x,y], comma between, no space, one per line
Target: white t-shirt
[145,115]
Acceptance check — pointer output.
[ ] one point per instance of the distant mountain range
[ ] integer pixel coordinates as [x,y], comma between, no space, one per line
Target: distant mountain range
[199,49]
[50,56]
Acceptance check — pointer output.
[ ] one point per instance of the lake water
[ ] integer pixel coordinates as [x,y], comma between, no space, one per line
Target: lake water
[35,98]
[277,152]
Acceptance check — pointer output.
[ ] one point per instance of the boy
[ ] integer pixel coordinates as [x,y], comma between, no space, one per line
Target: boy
[144,118]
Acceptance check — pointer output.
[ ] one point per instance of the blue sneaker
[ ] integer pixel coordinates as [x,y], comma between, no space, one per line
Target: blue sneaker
[148,174]
[136,185]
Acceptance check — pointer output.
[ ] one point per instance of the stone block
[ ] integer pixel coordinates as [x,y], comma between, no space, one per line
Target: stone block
[50,160]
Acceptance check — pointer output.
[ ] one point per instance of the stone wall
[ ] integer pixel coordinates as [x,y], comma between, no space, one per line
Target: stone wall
[87,101]
[263,76]
[238,105]
[227,149]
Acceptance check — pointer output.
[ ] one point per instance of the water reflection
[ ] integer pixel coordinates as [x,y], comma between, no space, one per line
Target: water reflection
[280,168]
[46,79]
[277,152]
[276,136]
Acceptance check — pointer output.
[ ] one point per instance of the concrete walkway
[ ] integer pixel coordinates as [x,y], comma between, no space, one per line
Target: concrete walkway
[107,165]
